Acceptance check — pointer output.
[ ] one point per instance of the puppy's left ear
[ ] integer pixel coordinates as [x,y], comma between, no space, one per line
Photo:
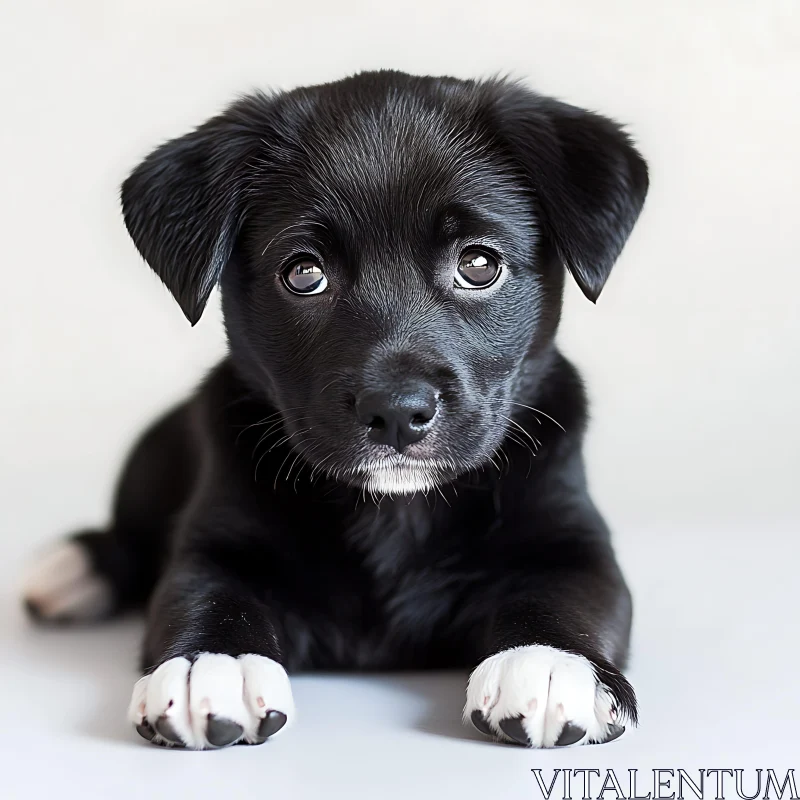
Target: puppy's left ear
[183,207]
[588,178]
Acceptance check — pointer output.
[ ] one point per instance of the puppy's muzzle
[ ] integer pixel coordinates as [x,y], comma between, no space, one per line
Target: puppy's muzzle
[398,418]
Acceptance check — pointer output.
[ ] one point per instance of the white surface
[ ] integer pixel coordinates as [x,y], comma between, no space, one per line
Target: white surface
[715,668]
[691,357]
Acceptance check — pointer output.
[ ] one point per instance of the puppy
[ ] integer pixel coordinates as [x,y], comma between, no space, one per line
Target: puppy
[385,472]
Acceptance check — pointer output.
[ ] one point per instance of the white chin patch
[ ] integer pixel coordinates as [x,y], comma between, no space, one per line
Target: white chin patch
[401,478]
[215,701]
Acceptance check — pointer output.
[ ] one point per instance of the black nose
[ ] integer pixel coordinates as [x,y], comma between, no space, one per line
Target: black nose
[397,418]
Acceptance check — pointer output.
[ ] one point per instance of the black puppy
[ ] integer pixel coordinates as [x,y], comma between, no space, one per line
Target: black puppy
[386,471]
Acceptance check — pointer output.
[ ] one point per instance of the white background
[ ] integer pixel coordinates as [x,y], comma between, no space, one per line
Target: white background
[691,356]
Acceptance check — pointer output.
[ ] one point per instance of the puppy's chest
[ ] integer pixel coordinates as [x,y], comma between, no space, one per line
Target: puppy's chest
[382,587]
[419,566]
[409,540]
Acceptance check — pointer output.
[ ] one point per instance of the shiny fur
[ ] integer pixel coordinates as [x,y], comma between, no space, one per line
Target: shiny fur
[249,516]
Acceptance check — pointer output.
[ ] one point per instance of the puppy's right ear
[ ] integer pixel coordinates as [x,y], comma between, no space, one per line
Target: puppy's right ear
[183,207]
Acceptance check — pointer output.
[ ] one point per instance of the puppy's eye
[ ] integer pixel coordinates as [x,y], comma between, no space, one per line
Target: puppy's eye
[477,269]
[305,276]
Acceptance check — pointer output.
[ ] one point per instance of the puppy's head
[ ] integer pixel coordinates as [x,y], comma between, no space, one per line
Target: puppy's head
[391,252]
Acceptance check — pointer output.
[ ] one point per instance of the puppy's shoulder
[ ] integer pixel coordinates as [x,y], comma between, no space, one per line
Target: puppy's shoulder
[221,400]
[562,390]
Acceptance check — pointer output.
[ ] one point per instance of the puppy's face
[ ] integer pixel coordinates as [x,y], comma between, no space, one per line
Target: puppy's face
[391,253]
[388,287]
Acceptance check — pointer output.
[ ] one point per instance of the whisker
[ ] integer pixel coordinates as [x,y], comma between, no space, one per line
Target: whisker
[266,420]
[289,473]
[275,427]
[519,427]
[539,411]
[494,463]
[317,468]
[278,473]
[287,438]
[266,452]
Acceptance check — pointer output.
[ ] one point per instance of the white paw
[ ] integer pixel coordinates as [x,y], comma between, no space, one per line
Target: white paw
[62,585]
[214,701]
[543,697]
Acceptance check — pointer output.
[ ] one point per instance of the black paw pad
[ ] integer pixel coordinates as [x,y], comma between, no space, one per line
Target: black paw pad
[164,728]
[479,721]
[570,734]
[145,730]
[271,724]
[614,732]
[512,727]
[221,732]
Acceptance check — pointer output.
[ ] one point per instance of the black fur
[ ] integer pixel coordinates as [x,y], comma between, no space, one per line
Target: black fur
[244,515]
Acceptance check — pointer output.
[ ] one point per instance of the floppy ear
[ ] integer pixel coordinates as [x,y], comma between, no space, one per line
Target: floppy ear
[183,206]
[588,178]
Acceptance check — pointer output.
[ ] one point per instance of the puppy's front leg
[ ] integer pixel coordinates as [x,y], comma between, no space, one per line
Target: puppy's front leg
[559,634]
[216,676]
